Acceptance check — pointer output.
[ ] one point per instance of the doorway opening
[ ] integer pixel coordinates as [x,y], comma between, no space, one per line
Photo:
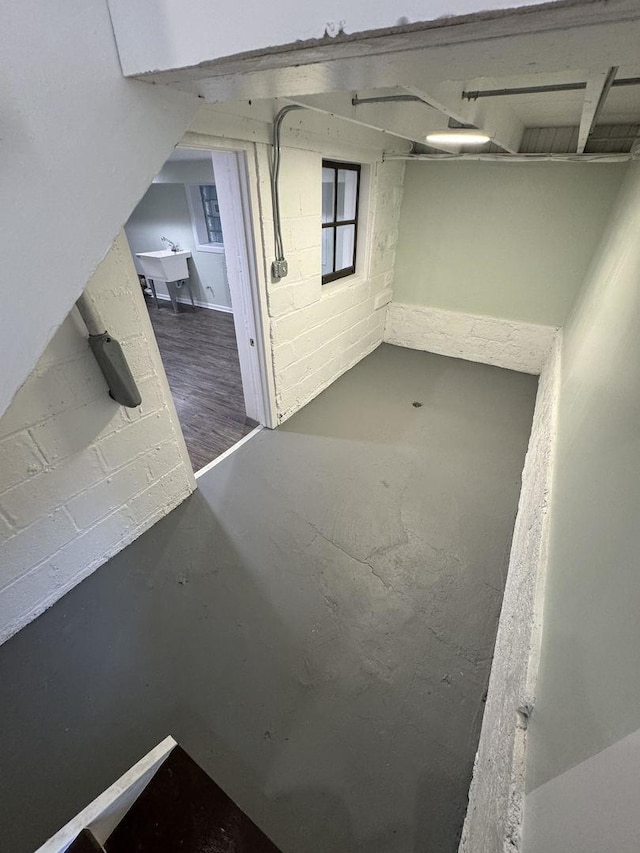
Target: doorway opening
[192,243]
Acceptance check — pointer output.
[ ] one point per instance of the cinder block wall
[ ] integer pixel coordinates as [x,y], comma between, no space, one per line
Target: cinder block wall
[81,476]
[318,332]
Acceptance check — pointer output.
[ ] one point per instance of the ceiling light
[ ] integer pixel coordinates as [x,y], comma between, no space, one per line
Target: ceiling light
[465,136]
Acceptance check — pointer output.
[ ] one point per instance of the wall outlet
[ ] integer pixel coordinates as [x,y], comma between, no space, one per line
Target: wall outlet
[279,269]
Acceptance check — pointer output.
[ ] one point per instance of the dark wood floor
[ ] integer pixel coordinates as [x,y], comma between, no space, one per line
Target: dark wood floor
[200,355]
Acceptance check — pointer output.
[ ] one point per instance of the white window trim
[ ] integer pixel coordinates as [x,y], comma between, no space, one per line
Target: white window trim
[197,220]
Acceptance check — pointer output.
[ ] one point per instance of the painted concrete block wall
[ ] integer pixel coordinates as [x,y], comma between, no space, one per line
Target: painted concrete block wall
[505,240]
[155,35]
[496,798]
[316,332]
[79,146]
[584,759]
[489,340]
[164,212]
[80,476]
[320,331]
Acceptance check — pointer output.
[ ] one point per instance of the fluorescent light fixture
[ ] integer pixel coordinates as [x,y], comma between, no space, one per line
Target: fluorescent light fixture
[464,136]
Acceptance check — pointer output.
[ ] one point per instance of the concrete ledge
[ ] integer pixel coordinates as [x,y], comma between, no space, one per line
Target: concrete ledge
[105,813]
[490,340]
[493,822]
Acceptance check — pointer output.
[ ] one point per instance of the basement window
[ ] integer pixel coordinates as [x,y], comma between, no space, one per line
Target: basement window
[340,191]
[205,217]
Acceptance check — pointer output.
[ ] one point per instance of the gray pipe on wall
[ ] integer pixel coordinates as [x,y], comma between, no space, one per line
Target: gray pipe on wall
[109,355]
[279,267]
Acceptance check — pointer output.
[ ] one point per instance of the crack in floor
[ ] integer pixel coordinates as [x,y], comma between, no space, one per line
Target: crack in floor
[351,556]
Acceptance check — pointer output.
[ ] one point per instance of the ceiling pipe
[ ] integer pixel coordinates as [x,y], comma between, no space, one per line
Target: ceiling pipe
[541,90]
[386,99]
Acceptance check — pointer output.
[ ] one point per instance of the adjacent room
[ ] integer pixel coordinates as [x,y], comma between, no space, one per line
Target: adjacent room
[178,222]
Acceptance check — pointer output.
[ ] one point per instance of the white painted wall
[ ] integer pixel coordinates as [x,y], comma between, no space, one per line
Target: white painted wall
[316,332]
[164,212]
[319,331]
[79,146]
[584,760]
[494,816]
[489,340]
[504,240]
[163,34]
[81,476]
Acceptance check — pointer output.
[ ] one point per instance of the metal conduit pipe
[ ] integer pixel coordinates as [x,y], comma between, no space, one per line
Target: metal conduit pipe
[109,355]
[279,267]
[541,90]
[385,99]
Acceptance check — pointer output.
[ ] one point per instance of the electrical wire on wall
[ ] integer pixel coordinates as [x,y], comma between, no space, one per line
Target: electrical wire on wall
[279,267]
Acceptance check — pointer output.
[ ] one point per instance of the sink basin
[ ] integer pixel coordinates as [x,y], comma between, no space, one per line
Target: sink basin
[164,265]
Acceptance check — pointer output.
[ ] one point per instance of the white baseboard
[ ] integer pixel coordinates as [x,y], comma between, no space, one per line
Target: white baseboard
[496,797]
[186,301]
[229,452]
[490,340]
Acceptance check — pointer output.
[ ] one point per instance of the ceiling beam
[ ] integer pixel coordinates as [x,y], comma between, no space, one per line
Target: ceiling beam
[408,120]
[496,119]
[430,111]
[594,97]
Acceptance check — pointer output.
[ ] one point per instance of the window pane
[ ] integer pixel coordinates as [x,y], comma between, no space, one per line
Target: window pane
[211,211]
[345,237]
[347,194]
[328,178]
[327,250]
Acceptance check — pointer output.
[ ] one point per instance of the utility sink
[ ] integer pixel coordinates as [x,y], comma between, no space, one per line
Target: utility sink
[164,265]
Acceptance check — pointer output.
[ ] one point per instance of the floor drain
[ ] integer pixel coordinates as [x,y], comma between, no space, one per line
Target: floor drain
[416,404]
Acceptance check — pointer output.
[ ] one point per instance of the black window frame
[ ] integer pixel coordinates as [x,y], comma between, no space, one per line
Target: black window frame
[337,166]
[209,230]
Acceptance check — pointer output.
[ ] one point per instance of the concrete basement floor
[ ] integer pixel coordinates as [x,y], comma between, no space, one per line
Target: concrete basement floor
[315,626]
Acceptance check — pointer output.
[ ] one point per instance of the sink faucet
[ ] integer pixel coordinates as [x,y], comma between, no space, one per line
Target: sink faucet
[173,246]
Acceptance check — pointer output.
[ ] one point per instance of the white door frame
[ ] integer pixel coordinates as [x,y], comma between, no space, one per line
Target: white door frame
[232,188]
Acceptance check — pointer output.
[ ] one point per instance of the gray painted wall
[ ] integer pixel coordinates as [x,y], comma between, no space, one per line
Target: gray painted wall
[589,690]
[504,240]
[163,211]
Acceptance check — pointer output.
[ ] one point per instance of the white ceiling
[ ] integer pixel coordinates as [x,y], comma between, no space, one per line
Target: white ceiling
[568,43]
